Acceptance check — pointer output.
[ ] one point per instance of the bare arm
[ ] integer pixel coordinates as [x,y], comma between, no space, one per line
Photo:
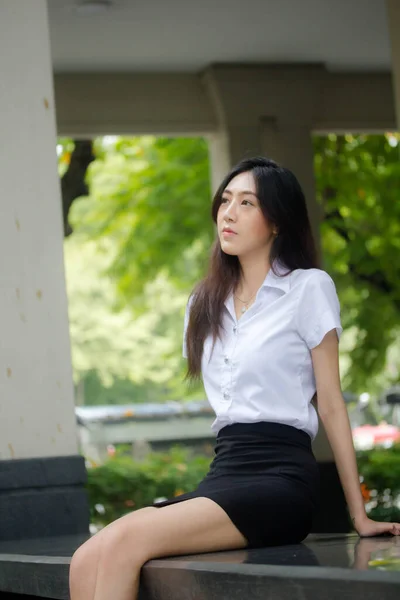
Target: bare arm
[333,413]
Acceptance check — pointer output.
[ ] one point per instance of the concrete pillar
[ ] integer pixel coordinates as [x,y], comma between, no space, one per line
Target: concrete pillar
[269,112]
[41,474]
[290,143]
[393,20]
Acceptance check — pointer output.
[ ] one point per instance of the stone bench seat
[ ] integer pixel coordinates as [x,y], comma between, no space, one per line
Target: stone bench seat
[324,566]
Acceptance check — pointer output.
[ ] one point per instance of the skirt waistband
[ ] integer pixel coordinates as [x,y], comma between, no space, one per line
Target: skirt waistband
[267,429]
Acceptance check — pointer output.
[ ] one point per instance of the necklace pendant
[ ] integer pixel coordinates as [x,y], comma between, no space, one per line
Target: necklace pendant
[244,309]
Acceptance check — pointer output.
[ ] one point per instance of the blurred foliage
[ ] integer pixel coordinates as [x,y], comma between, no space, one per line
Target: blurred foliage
[65,147]
[358,187]
[121,485]
[148,212]
[151,196]
[380,472]
[118,357]
[92,390]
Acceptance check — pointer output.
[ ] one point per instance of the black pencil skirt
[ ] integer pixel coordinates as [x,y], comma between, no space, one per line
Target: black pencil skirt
[265,477]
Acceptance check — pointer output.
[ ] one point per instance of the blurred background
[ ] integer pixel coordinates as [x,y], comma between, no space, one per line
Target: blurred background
[153,102]
[136,207]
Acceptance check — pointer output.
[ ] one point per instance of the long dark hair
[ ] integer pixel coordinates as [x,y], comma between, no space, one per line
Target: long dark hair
[283,204]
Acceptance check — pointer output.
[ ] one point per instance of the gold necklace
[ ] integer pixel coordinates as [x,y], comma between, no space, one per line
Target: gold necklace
[245,302]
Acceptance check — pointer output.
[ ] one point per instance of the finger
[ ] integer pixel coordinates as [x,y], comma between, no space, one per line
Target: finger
[387,528]
[396,528]
[393,528]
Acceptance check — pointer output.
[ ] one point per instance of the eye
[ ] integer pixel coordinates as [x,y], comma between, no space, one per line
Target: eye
[223,200]
[248,202]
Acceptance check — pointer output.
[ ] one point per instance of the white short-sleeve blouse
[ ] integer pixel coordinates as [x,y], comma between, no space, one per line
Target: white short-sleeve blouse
[261,368]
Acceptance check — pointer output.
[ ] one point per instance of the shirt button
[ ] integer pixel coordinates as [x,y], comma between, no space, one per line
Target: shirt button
[226,396]
[234,329]
[226,360]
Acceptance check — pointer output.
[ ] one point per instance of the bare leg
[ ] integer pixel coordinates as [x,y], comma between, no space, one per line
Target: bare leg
[108,565]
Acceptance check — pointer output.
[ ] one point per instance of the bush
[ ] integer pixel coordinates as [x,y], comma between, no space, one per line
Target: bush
[380,472]
[121,485]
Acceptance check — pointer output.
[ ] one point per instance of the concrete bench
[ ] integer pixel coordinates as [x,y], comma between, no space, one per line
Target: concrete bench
[325,566]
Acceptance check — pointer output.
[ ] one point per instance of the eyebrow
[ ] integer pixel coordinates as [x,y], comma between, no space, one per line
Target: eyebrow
[240,193]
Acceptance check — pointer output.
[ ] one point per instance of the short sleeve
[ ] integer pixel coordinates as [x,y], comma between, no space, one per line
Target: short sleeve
[319,309]
[185,326]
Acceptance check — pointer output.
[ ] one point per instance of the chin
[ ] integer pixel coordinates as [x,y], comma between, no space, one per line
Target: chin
[227,250]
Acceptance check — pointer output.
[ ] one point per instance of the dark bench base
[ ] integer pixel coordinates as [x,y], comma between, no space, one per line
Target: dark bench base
[325,566]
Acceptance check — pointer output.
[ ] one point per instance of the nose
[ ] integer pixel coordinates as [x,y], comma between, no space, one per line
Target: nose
[230,212]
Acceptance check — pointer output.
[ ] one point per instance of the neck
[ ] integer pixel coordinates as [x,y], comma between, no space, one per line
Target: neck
[254,271]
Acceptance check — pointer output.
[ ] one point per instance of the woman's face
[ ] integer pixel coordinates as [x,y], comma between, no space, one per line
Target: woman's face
[240,211]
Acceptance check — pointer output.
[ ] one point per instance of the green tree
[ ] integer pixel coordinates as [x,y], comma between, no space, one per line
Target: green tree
[358,183]
[119,358]
[151,197]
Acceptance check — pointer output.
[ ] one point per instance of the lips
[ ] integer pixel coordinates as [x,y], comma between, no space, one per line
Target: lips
[228,230]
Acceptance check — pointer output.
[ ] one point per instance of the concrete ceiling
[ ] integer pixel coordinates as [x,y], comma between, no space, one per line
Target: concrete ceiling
[188,35]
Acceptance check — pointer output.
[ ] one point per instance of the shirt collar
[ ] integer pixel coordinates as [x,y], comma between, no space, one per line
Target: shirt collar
[278,281]
[271,280]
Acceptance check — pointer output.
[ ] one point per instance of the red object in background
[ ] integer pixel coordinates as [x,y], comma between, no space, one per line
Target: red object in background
[375,435]
[111,450]
[366,494]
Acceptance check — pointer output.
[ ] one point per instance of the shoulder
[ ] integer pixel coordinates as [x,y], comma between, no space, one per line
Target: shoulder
[314,290]
[311,279]
[318,306]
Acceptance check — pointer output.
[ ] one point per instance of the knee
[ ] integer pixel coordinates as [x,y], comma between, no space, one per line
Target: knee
[84,558]
[124,539]
[114,544]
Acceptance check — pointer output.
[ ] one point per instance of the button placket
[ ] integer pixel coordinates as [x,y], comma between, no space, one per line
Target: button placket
[225,380]
[225,374]
[228,366]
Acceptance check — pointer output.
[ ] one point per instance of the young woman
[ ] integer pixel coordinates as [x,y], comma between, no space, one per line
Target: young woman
[262,331]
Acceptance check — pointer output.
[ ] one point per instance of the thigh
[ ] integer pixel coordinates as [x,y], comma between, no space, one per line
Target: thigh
[187,527]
